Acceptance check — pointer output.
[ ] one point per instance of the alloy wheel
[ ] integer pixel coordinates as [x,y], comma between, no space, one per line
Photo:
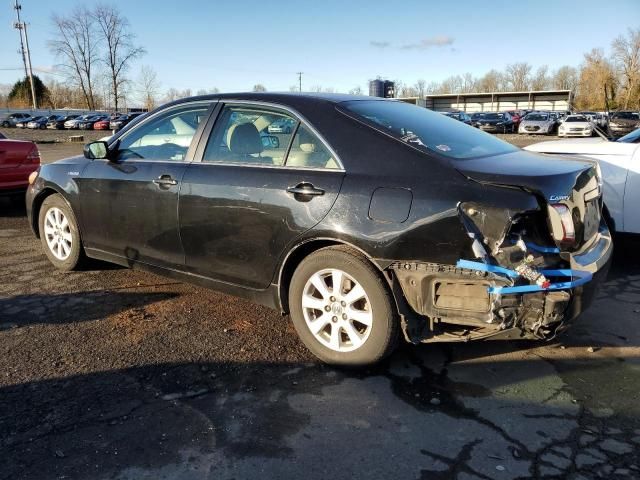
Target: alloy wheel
[57,233]
[337,310]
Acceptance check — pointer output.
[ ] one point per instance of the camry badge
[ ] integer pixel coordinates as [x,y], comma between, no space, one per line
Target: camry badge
[558,198]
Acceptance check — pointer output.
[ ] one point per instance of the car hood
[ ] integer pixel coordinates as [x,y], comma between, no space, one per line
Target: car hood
[539,123]
[577,124]
[624,121]
[492,121]
[549,177]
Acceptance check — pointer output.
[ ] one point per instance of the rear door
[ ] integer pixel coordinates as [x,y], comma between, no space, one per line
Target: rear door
[129,206]
[250,194]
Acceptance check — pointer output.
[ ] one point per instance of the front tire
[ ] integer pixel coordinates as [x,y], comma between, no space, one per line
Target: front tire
[342,308]
[59,233]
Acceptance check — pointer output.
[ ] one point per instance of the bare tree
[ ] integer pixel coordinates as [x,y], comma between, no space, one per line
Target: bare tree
[294,88]
[565,78]
[148,87]
[357,90]
[541,78]
[518,76]
[315,88]
[175,94]
[420,87]
[407,91]
[626,54]
[492,81]
[76,45]
[120,49]
[258,87]
[468,83]
[597,84]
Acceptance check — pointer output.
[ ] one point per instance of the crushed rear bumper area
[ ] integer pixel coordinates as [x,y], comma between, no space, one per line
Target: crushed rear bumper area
[475,300]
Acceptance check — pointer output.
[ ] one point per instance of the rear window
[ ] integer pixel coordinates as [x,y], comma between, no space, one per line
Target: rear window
[426,130]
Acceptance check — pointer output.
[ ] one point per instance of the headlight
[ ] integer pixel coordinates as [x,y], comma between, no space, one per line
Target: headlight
[499,123]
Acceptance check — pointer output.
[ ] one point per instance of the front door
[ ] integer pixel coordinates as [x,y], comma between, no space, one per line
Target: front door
[129,205]
[255,190]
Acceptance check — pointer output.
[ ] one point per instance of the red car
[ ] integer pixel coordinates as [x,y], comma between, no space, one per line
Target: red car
[101,125]
[517,116]
[18,160]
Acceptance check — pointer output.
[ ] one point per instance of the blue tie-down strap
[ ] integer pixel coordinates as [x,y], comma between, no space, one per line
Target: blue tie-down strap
[577,278]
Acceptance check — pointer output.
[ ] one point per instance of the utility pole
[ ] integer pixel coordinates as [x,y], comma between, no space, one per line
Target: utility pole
[22,26]
[300,80]
[18,26]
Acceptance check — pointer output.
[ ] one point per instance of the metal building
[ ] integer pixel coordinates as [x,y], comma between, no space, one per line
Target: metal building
[554,100]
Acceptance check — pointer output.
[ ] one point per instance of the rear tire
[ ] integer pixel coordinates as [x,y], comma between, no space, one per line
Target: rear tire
[352,324]
[59,233]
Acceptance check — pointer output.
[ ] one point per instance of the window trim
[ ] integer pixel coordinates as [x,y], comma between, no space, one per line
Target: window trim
[213,120]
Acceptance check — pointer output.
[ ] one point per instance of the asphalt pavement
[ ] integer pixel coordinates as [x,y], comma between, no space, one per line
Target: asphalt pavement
[114,374]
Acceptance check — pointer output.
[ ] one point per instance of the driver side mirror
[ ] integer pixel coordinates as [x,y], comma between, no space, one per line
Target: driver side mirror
[96,150]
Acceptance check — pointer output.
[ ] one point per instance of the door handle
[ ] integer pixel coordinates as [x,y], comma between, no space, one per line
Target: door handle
[306,189]
[165,181]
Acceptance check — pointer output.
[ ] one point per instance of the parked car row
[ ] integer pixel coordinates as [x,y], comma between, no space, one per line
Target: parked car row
[92,121]
[564,123]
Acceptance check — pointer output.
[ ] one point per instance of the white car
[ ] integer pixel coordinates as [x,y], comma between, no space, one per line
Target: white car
[620,166]
[576,126]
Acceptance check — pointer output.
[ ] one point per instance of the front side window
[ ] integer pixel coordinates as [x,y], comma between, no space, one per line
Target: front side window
[426,130]
[166,137]
[252,135]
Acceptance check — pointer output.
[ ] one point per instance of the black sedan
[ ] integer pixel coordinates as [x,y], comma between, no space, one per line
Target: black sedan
[57,123]
[495,122]
[374,220]
[122,121]
[622,123]
[88,123]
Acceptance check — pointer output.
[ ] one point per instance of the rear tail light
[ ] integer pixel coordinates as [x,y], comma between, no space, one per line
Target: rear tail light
[34,155]
[566,220]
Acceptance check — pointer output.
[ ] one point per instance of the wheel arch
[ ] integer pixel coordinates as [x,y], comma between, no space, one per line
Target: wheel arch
[611,223]
[302,250]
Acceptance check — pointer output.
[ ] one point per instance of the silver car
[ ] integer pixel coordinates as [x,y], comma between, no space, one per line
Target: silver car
[538,123]
[14,118]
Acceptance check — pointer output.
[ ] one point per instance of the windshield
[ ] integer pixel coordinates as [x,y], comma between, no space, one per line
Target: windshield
[633,137]
[537,117]
[493,116]
[426,130]
[577,118]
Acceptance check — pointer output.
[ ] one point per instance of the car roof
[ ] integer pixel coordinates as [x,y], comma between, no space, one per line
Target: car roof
[283,97]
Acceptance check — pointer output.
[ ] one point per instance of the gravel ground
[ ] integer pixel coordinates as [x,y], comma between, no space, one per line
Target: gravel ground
[110,373]
[52,136]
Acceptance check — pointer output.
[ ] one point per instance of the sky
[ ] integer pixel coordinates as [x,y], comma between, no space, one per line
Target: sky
[233,45]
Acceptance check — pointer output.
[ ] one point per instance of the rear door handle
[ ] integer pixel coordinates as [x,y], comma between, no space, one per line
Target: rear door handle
[306,189]
[165,181]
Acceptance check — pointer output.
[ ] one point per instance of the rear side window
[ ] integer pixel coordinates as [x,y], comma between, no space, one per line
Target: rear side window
[308,151]
[426,130]
[250,135]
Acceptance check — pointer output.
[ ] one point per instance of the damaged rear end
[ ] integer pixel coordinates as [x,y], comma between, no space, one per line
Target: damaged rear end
[531,270]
